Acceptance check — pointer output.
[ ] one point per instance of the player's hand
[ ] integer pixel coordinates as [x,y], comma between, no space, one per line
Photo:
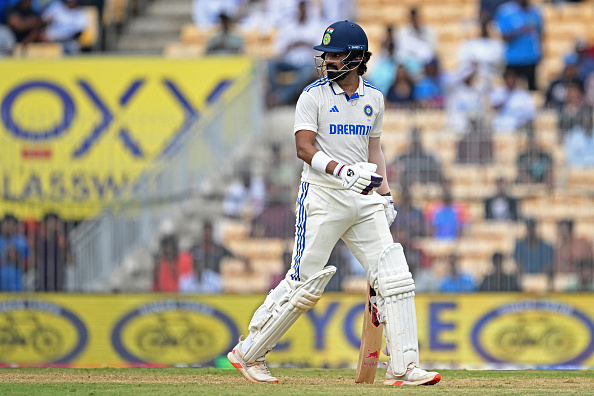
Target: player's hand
[389,209]
[360,177]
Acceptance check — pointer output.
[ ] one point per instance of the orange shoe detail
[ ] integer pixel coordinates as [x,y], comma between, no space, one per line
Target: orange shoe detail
[434,381]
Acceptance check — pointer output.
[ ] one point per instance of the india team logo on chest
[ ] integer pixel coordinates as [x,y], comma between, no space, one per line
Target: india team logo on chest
[368,110]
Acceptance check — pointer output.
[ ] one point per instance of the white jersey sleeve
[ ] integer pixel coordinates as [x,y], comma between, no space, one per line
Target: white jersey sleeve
[306,113]
[376,131]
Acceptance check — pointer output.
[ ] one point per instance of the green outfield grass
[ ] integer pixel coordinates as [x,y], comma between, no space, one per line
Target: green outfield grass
[210,381]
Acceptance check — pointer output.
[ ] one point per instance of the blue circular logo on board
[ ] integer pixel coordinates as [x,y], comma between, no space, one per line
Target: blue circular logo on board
[40,332]
[6,111]
[368,110]
[540,333]
[174,332]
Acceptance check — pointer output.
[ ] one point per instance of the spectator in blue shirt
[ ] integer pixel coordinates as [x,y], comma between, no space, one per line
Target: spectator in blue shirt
[10,236]
[521,26]
[533,254]
[456,281]
[384,69]
[4,4]
[429,90]
[447,222]
[10,273]
[584,60]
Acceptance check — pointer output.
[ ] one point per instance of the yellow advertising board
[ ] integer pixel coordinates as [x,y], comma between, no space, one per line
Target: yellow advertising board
[155,330]
[76,133]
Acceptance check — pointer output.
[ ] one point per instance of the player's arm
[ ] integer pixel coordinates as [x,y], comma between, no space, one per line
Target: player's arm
[376,156]
[304,141]
[306,125]
[358,177]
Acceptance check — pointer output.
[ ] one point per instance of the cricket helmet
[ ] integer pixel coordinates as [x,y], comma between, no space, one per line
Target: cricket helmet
[343,36]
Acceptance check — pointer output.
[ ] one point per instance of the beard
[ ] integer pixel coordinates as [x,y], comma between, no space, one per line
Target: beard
[336,75]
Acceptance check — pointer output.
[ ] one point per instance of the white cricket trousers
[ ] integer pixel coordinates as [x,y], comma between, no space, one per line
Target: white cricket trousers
[324,215]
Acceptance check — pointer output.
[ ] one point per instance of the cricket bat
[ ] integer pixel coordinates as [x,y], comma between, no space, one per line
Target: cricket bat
[371,341]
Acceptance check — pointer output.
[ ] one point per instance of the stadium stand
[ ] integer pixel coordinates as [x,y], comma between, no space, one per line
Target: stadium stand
[167,29]
[149,27]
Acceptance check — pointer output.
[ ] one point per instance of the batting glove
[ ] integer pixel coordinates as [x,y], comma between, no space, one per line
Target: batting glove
[389,209]
[360,177]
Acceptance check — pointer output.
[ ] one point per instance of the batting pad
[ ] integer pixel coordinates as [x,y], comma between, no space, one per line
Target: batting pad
[283,316]
[396,297]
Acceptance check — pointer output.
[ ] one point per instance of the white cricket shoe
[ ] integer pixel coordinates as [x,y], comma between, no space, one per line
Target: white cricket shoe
[413,376]
[255,372]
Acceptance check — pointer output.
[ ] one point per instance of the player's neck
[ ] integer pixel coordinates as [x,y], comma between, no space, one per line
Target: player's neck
[350,84]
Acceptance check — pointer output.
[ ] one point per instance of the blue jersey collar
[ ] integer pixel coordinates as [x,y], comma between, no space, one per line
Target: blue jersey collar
[360,90]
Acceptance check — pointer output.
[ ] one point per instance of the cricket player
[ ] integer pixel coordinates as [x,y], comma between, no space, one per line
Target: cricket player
[343,194]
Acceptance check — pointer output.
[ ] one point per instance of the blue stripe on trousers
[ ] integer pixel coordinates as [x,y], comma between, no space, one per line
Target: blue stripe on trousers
[300,232]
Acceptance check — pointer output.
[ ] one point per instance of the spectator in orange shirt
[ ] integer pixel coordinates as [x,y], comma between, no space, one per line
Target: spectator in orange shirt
[171,265]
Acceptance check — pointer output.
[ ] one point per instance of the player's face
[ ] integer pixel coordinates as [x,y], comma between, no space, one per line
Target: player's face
[334,63]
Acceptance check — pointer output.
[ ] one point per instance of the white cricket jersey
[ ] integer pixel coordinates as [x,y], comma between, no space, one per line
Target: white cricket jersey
[342,125]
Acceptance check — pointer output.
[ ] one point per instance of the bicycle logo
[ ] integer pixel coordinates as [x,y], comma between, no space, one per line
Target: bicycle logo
[167,334]
[534,332]
[174,332]
[539,333]
[45,340]
[35,331]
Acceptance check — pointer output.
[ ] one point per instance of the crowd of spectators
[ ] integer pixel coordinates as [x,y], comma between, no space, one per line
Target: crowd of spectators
[446,219]
[269,212]
[497,70]
[196,269]
[36,21]
[571,257]
[491,91]
[34,256]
